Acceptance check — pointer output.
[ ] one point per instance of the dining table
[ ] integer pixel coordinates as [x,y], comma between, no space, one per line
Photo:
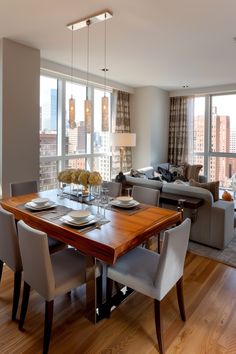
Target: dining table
[102,242]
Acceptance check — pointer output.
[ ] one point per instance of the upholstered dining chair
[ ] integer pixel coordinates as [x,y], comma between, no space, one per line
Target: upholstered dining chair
[154,274]
[10,253]
[114,188]
[20,188]
[146,195]
[49,275]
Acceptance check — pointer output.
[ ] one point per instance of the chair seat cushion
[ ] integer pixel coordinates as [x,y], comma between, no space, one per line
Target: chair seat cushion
[137,270]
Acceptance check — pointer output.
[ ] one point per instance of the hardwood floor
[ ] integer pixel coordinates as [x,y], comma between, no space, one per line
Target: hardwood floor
[210,300]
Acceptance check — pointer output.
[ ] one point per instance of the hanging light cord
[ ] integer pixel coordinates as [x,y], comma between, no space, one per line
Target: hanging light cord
[88,23]
[105,55]
[72,54]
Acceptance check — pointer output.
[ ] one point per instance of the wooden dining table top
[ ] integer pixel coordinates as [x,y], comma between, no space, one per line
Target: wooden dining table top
[122,233]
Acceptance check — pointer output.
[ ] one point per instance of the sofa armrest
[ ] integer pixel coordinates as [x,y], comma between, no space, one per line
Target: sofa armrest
[222,223]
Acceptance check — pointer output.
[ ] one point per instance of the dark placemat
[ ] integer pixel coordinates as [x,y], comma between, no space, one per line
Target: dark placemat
[130,211]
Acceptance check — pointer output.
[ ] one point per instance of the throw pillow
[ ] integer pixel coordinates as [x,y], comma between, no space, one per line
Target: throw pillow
[136,173]
[157,177]
[213,187]
[165,174]
[192,171]
[178,172]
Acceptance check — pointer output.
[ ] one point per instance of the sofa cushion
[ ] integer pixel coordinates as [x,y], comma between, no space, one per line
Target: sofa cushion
[213,187]
[178,172]
[192,172]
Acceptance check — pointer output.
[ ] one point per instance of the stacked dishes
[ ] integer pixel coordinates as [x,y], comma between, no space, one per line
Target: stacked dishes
[40,204]
[79,218]
[124,202]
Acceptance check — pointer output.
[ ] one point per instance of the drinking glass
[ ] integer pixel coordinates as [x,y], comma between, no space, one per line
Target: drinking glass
[96,192]
[104,201]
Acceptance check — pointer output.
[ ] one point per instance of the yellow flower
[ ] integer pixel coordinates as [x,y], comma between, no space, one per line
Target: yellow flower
[83,178]
[75,176]
[95,178]
[65,176]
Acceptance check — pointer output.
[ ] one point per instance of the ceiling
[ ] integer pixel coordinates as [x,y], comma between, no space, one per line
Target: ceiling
[161,43]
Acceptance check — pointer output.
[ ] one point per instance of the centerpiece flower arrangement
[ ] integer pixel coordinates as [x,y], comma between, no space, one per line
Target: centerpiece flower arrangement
[81,177]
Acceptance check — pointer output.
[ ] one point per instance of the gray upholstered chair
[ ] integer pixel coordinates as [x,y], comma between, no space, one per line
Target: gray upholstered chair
[146,195]
[114,188]
[50,275]
[20,188]
[154,274]
[10,253]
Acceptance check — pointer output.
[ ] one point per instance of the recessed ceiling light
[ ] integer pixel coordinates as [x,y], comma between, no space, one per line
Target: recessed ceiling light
[185,86]
[104,69]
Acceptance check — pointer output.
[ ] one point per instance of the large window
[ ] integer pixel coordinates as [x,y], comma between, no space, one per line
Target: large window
[62,147]
[215,136]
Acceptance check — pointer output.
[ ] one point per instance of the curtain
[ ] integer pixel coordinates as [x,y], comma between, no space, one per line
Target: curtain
[180,130]
[121,124]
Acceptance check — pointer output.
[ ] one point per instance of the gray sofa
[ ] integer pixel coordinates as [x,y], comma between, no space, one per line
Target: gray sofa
[214,221]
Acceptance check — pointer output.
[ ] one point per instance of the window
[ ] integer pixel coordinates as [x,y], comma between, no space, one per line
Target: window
[215,136]
[62,147]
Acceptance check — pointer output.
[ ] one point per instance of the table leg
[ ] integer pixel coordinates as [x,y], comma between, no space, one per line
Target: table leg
[91,289]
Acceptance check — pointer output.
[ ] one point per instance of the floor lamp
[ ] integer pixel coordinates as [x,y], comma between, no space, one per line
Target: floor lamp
[122,140]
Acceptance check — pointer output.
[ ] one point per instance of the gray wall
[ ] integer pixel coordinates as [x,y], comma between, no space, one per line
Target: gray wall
[149,109]
[19,116]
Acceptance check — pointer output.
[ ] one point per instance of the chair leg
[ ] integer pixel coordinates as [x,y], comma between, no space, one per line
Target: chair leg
[1,269]
[158,242]
[180,295]
[47,325]
[99,290]
[16,294]
[157,306]
[109,295]
[24,306]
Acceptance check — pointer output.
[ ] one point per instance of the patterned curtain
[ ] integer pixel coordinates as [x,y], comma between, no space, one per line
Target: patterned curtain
[121,124]
[180,130]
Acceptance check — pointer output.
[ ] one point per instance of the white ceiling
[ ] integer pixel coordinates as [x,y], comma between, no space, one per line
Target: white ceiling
[163,43]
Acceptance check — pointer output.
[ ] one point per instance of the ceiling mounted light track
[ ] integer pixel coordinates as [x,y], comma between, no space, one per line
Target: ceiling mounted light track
[95,18]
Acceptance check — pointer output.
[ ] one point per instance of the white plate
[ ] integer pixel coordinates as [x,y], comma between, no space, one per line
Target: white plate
[119,204]
[50,204]
[68,220]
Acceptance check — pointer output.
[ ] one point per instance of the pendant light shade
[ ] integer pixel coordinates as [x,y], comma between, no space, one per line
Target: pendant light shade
[72,123]
[105,118]
[88,115]
[105,100]
[87,102]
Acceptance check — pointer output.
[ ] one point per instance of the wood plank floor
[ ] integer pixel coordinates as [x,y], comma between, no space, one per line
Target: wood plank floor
[210,297]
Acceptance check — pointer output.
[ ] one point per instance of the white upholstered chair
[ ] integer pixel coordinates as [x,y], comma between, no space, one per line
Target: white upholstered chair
[146,195]
[114,188]
[50,275]
[10,253]
[154,274]
[27,187]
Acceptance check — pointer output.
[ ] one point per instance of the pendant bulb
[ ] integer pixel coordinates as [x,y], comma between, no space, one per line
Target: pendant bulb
[72,123]
[105,120]
[88,115]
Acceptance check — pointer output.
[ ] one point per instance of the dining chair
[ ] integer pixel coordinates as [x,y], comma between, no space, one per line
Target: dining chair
[49,275]
[21,188]
[154,274]
[114,188]
[148,196]
[10,253]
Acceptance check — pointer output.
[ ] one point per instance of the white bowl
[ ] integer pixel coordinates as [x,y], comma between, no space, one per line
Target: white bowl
[79,214]
[40,201]
[124,199]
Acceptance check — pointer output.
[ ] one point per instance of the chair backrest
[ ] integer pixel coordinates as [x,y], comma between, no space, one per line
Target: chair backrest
[9,243]
[146,195]
[20,188]
[36,260]
[113,187]
[172,257]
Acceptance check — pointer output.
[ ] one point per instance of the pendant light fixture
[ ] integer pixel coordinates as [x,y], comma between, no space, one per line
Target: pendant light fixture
[105,101]
[87,102]
[72,123]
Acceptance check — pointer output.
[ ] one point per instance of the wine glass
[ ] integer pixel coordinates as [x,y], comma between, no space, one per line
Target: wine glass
[104,201]
[96,192]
